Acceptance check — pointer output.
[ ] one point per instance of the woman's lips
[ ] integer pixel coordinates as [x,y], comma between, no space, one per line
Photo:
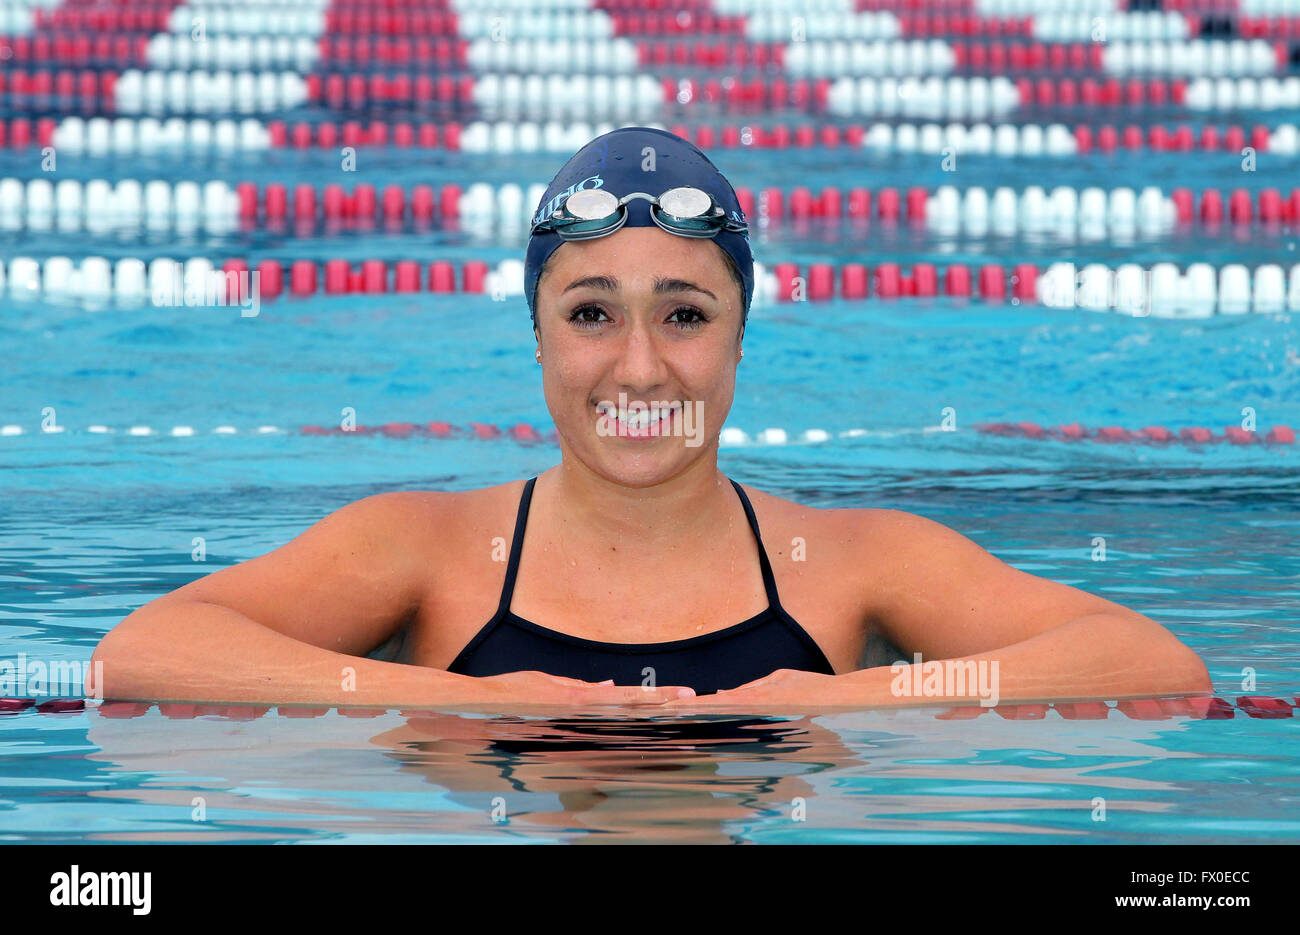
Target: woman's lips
[656,427]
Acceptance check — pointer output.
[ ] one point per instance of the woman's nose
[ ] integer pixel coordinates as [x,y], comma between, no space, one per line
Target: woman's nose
[640,360]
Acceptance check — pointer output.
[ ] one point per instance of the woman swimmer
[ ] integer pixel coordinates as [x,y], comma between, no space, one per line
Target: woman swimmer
[642,578]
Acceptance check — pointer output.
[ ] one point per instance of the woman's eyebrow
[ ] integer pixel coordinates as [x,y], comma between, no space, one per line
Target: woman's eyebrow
[662,286]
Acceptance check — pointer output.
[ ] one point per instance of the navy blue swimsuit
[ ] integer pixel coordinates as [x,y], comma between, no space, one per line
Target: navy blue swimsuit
[725,658]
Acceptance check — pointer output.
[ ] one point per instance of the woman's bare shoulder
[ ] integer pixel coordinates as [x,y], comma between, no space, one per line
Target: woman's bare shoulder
[843,522]
[441,499]
[448,511]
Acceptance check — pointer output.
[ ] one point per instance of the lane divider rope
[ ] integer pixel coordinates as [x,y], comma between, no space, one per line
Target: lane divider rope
[837,54]
[639,97]
[100,136]
[1163,291]
[1145,709]
[730,437]
[96,206]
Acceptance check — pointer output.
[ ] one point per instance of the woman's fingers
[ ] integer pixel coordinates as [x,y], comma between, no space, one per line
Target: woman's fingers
[641,695]
[607,692]
[723,696]
[544,688]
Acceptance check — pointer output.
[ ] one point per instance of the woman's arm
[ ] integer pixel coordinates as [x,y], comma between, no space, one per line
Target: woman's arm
[1096,657]
[290,625]
[945,597]
[190,650]
[987,633]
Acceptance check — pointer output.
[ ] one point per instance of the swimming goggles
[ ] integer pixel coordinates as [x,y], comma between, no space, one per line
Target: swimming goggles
[595,212]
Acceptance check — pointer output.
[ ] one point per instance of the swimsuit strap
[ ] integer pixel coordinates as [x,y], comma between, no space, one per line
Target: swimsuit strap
[769,580]
[516,546]
[521,521]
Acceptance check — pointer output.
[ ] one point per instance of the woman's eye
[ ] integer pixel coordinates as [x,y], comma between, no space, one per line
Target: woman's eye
[579,316]
[696,322]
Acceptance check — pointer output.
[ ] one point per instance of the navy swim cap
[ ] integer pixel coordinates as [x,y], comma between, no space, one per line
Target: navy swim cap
[614,161]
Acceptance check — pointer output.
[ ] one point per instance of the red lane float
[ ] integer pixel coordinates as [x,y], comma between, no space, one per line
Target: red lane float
[520,432]
[1263,707]
[271,204]
[1152,434]
[326,135]
[754,95]
[888,281]
[434,20]
[1106,92]
[357,90]
[1268,27]
[940,24]
[1180,138]
[995,58]
[78,48]
[374,277]
[37,90]
[106,18]
[365,50]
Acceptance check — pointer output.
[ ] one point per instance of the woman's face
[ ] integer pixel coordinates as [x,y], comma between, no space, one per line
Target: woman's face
[639,336]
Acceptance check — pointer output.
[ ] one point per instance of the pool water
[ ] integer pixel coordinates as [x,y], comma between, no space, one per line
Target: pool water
[1201,538]
[871,777]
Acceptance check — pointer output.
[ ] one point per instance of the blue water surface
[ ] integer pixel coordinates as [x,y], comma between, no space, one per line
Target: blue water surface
[1201,538]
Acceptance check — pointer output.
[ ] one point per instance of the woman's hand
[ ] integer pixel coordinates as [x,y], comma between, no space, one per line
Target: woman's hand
[785,689]
[541,688]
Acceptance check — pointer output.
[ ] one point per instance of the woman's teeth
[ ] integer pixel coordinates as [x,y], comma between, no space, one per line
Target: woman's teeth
[637,418]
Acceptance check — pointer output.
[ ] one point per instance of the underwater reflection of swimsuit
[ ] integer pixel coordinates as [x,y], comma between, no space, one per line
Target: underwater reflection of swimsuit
[726,658]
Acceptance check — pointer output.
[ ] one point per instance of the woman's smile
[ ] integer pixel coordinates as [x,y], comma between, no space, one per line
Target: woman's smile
[638,420]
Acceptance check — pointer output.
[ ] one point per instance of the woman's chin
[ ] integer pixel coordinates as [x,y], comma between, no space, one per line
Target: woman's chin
[643,467]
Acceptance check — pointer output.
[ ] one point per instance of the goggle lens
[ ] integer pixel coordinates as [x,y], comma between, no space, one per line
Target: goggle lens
[591,204]
[686,203]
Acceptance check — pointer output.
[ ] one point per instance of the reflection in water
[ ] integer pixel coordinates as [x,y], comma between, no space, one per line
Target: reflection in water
[578,777]
[664,778]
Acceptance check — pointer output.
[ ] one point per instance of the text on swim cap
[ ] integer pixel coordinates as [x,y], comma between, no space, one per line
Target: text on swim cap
[546,210]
